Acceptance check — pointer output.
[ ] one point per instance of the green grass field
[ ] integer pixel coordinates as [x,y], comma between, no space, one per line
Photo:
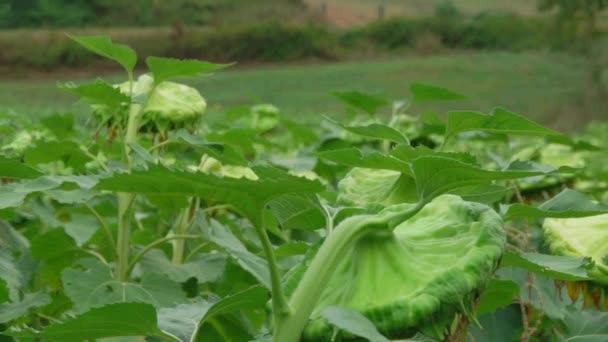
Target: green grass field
[548,88]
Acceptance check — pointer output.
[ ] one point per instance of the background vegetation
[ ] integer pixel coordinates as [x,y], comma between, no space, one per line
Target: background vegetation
[555,47]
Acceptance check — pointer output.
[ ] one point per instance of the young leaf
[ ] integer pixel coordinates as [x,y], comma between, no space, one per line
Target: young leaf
[103,46]
[499,121]
[97,93]
[13,169]
[353,322]
[557,267]
[365,102]
[115,320]
[425,92]
[166,68]
[566,204]
[498,294]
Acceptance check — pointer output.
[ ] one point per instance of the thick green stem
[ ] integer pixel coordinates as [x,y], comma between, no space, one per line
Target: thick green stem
[125,200]
[335,248]
[124,235]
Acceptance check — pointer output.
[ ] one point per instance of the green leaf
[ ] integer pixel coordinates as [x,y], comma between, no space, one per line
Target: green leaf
[92,285]
[184,321]
[357,158]
[14,169]
[566,204]
[247,196]
[166,68]
[223,237]
[483,193]
[103,46]
[65,151]
[204,267]
[497,294]
[115,320]
[502,326]
[353,322]
[365,102]
[553,266]
[425,92]
[222,152]
[436,175]
[11,311]
[376,131]
[97,93]
[298,211]
[499,121]
[585,326]
[13,194]
[61,124]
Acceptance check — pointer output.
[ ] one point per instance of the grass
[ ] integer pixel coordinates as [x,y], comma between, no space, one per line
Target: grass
[546,87]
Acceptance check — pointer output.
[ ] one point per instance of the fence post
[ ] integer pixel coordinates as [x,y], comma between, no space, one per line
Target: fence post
[324,9]
[380,11]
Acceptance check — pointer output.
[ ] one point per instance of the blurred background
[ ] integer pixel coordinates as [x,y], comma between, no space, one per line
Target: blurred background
[547,59]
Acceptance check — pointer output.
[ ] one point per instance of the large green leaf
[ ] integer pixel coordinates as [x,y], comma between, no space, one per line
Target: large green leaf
[499,121]
[498,294]
[504,325]
[298,211]
[11,311]
[568,203]
[114,320]
[92,285]
[376,131]
[554,266]
[204,267]
[425,92]
[66,151]
[184,321]
[222,152]
[585,326]
[247,196]
[166,68]
[13,169]
[223,237]
[103,46]
[365,102]
[353,322]
[435,174]
[13,194]
[357,158]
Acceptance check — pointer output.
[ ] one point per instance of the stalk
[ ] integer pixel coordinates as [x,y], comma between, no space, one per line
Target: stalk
[181,227]
[335,248]
[125,200]
[280,307]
